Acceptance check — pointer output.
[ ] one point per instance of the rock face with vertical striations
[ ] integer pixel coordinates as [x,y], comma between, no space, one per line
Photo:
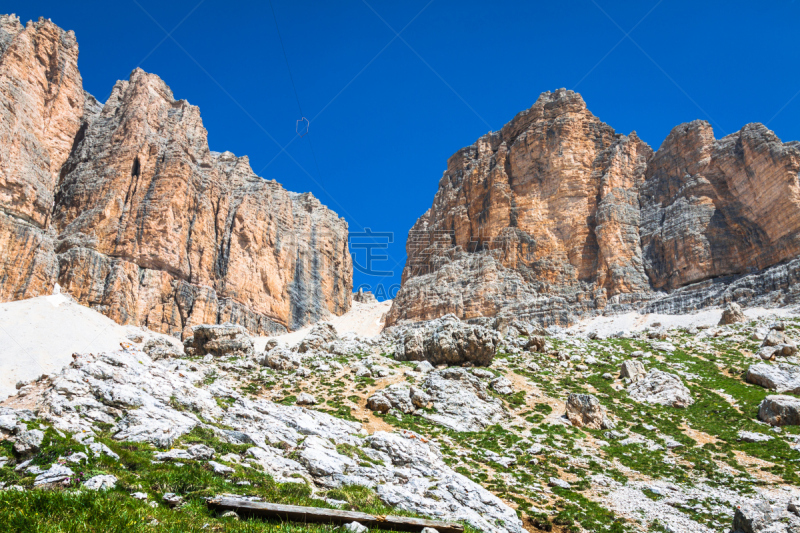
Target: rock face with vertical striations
[41,108]
[127,208]
[556,216]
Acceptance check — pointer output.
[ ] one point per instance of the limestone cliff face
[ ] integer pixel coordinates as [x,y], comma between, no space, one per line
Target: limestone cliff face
[547,205]
[555,216]
[41,106]
[719,207]
[136,217]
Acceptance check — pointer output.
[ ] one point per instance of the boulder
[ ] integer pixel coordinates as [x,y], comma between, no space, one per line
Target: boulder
[55,474]
[502,385]
[780,410]
[535,343]
[448,341]
[397,396]
[280,359]
[461,401]
[305,398]
[379,402]
[633,370]
[780,344]
[321,334]
[585,410]
[781,377]
[219,340]
[28,442]
[101,482]
[161,348]
[661,388]
[732,314]
[419,397]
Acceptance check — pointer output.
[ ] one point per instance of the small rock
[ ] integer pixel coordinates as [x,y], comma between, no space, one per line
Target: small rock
[555,482]
[305,398]
[230,514]
[102,482]
[172,499]
[633,370]
[750,436]
[221,469]
[29,442]
[423,367]
[55,474]
[482,373]
[732,314]
[585,410]
[355,527]
[502,385]
[139,495]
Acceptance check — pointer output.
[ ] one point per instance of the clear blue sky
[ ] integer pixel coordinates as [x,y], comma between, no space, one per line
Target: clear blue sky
[390,110]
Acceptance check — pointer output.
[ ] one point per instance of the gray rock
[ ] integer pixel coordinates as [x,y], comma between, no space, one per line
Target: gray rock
[221,469]
[732,314]
[355,527]
[502,385]
[305,398]
[556,482]
[448,341]
[321,334]
[200,451]
[161,348]
[780,410]
[139,495]
[482,373]
[280,358]
[633,370]
[172,499]
[750,436]
[219,340]
[461,401]
[55,474]
[782,377]
[585,410]
[423,367]
[397,396]
[102,482]
[661,388]
[29,442]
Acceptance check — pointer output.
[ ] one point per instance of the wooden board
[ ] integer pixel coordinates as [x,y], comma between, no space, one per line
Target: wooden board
[297,513]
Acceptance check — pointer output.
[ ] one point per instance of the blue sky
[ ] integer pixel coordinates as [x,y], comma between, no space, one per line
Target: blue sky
[388,111]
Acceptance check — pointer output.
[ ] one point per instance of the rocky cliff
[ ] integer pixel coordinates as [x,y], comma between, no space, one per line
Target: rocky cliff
[125,206]
[557,216]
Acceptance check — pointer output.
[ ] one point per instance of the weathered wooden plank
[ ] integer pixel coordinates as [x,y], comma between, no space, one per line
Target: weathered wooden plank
[297,513]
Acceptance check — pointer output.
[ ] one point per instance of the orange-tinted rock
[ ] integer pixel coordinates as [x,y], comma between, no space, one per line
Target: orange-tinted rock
[555,216]
[550,204]
[41,106]
[127,208]
[718,207]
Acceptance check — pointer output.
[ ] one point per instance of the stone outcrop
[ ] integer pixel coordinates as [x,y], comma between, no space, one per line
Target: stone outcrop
[780,410]
[662,388]
[585,410]
[41,108]
[781,378]
[556,216]
[448,341]
[125,206]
